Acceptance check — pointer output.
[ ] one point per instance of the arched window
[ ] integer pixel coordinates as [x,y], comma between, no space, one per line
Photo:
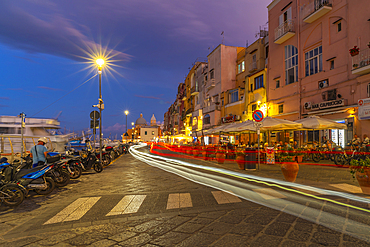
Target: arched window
[207,119]
[291,64]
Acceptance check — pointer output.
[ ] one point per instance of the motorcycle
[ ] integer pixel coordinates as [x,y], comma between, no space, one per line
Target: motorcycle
[90,161]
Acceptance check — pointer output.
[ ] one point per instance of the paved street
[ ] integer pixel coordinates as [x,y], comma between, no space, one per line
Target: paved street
[132,203]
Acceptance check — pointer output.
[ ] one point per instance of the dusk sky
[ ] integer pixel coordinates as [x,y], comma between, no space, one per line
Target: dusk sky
[43,45]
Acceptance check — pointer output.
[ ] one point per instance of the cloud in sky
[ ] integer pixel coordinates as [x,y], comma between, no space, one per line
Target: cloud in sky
[115,128]
[49,88]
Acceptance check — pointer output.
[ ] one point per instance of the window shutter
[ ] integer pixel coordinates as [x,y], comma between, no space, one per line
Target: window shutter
[289,13]
[281,19]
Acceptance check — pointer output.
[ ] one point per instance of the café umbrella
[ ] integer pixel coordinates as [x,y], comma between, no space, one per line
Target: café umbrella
[317,123]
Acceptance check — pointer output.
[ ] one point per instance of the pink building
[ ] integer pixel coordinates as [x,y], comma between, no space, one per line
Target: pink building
[310,68]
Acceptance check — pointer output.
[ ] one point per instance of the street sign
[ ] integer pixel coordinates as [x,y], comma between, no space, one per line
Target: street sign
[94,125]
[257,115]
[94,115]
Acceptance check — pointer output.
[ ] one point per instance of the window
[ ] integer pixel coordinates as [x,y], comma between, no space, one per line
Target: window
[313,61]
[241,67]
[368,90]
[331,64]
[254,107]
[339,27]
[277,83]
[287,15]
[281,108]
[212,74]
[291,64]
[146,132]
[251,87]
[258,82]
[207,119]
[332,94]
[234,95]
[152,133]
[222,102]
[254,58]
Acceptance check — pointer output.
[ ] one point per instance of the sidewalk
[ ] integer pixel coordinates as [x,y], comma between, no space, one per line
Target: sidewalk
[324,177]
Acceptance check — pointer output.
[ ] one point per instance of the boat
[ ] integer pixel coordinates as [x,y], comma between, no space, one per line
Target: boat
[34,128]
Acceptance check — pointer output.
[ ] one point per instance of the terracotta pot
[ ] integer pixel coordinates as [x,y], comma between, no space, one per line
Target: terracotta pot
[220,157]
[204,154]
[363,179]
[299,158]
[240,161]
[290,171]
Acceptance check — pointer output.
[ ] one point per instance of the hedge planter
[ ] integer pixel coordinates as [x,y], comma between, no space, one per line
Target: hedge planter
[240,160]
[220,157]
[363,179]
[290,171]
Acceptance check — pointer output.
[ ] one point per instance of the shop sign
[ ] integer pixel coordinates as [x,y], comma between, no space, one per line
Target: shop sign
[364,102]
[270,155]
[228,119]
[364,112]
[328,104]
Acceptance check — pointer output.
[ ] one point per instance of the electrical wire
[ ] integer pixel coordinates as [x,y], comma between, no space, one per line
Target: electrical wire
[63,96]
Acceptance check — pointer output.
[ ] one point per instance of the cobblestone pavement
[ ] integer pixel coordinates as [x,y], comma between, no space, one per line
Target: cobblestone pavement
[205,223]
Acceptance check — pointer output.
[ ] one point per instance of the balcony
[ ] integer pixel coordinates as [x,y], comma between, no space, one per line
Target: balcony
[361,62]
[252,66]
[211,108]
[194,90]
[185,97]
[189,111]
[316,9]
[211,84]
[284,32]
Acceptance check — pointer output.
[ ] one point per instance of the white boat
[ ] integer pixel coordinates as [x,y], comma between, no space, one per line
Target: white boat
[34,128]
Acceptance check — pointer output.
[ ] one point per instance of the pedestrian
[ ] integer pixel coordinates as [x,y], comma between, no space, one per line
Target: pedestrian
[356,140]
[39,152]
[296,145]
[366,143]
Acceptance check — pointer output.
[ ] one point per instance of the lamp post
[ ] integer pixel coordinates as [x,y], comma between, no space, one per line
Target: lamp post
[100,63]
[132,134]
[126,112]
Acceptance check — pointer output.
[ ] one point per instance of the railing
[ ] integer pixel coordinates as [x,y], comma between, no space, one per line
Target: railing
[211,84]
[314,6]
[211,108]
[361,60]
[287,26]
[252,66]
[194,89]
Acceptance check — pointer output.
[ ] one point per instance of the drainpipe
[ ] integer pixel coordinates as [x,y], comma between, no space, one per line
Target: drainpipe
[299,67]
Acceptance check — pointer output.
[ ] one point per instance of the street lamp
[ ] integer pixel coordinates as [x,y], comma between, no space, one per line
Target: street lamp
[100,63]
[126,112]
[132,134]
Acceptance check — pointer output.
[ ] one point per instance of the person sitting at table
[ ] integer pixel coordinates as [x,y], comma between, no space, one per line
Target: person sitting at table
[295,145]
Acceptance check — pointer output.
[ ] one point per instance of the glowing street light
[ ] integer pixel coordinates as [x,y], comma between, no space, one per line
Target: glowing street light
[126,112]
[100,63]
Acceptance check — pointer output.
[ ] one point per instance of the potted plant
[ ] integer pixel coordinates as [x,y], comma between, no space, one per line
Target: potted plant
[354,51]
[299,155]
[196,150]
[355,65]
[204,153]
[220,155]
[240,158]
[289,168]
[360,169]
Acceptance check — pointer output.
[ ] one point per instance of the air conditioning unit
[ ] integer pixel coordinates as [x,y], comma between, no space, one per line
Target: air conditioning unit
[307,105]
[323,84]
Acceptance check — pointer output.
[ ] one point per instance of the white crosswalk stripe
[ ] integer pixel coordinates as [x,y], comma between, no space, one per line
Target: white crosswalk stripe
[179,200]
[128,205]
[224,197]
[74,211]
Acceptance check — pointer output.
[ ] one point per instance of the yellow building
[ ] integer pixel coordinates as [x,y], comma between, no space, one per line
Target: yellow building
[256,79]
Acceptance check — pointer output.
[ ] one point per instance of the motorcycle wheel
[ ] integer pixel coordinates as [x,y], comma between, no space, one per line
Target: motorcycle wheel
[12,195]
[340,160]
[315,157]
[76,172]
[63,179]
[98,168]
[106,160]
[51,185]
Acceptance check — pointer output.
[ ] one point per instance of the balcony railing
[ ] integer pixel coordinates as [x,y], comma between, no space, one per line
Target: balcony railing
[316,9]
[211,84]
[211,108]
[284,32]
[252,66]
[361,62]
[194,90]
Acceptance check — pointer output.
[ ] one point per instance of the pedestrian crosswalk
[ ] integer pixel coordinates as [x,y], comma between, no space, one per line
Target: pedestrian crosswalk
[128,205]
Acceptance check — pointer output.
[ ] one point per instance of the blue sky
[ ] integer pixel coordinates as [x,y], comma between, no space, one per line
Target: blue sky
[154,42]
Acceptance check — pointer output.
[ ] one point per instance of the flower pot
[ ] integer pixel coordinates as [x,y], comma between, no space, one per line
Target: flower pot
[363,179]
[290,171]
[299,158]
[204,154]
[220,157]
[355,53]
[196,152]
[240,161]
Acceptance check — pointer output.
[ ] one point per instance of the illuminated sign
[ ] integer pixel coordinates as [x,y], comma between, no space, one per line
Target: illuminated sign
[328,104]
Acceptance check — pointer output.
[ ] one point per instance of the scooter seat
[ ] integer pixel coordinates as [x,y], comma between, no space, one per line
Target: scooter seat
[23,172]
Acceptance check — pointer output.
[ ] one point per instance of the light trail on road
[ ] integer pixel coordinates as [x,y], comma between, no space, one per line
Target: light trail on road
[333,214]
